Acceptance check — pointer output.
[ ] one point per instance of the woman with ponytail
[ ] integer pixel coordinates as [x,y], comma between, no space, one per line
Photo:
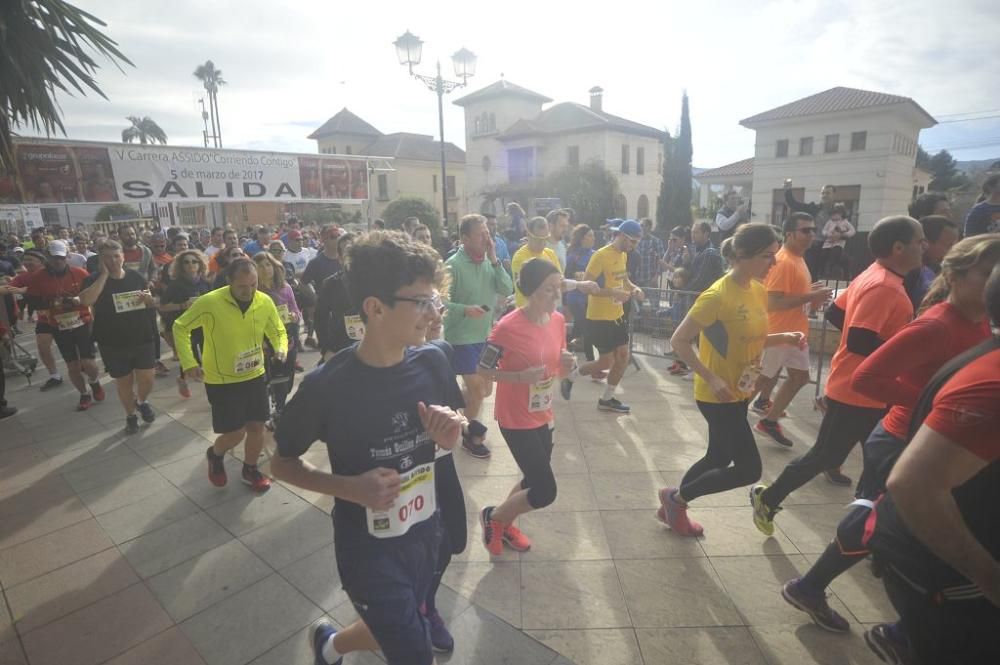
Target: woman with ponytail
[952,319]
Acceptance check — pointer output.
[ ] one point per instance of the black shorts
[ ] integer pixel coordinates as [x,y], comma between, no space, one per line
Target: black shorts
[42,328]
[75,344]
[236,404]
[121,360]
[607,335]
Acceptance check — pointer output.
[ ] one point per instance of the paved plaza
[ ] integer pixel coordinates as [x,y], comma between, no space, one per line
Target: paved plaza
[118,550]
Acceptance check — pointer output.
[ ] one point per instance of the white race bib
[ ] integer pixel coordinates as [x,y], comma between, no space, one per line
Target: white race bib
[132,265]
[416,502]
[355,327]
[128,301]
[540,395]
[285,314]
[69,320]
[248,361]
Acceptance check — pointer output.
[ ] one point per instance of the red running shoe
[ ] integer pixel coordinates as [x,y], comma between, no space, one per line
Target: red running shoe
[492,532]
[514,539]
[675,516]
[85,402]
[257,481]
[216,468]
[98,391]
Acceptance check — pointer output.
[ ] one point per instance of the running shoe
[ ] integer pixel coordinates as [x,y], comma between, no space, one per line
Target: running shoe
[161,369]
[763,515]
[322,633]
[492,532]
[837,478]
[514,539]
[613,405]
[475,447]
[146,411]
[216,468]
[815,606]
[884,644]
[7,411]
[773,430]
[51,383]
[132,424]
[441,639]
[566,388]
[183,389]
[85,403]
[761,407]
[257,481]
[675,516]
[97,390]
[679,369]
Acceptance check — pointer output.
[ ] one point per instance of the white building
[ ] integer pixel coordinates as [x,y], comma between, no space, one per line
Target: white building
[863,143]
[416,163]
[509,139]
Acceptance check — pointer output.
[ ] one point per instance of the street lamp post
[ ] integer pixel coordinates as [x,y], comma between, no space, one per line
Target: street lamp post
[408,49]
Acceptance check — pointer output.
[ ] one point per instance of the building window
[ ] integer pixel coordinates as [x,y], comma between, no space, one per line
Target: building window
[477,127]
[640,161]
[832,143]
[333,150]
[805,146]
[383,187]
[434,182]
[449,186]
[621,206]
[642,206]
[349,150]
[625,155]
[520,164]
[243,209]
[659,163]
[781,148]
[487,163]
[858,141]
[573,155]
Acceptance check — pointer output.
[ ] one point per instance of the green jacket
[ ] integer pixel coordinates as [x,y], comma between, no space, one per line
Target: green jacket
[473,284]
[234,341]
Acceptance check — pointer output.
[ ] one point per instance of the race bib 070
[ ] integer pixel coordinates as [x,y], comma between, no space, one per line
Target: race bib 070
[416,502]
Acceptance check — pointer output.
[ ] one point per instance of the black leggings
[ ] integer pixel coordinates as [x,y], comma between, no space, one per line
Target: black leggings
[451,504]
[285,369]
[730,441]
[532,450]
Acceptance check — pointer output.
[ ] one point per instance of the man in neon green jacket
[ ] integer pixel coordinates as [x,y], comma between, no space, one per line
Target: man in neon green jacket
[477,278]
[235,319]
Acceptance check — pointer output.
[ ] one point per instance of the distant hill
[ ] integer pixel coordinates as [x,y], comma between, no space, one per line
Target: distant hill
[976,166]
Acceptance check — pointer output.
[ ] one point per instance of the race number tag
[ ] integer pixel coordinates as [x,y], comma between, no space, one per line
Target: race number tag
[540,395]
[416,502]
[69,320]
[748,379]
[285,314]
[355,327]
[132,265]
[248,361]
[128,301]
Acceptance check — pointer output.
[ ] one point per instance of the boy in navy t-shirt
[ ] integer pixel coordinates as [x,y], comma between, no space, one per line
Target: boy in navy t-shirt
[382,407]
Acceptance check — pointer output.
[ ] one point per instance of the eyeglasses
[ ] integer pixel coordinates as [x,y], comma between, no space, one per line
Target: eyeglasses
[424,305]
[277,250]
[190,262]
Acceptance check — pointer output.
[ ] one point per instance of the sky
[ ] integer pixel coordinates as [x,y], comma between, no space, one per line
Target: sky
[290,66]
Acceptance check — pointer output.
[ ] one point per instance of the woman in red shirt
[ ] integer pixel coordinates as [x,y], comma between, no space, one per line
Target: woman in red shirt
[952,318]
[528,348]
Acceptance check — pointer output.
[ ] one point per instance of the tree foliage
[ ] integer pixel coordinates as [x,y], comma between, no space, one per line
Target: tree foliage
[112,210]
[674,205]
[45,48]
[412,206]
[590,190]
[947,176]
[144,130]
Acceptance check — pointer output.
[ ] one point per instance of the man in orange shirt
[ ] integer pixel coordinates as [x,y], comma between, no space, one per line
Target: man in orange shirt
[790,294]
[872,309]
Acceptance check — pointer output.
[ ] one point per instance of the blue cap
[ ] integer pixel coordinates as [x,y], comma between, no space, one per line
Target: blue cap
[629,227]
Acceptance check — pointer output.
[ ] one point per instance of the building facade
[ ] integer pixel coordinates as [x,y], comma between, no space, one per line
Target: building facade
[511,140]
[863,143]
[416,163]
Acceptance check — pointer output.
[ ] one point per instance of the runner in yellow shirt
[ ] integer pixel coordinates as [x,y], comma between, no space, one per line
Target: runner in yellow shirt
[535,248]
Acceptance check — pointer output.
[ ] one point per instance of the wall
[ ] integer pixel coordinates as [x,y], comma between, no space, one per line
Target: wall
[416,178]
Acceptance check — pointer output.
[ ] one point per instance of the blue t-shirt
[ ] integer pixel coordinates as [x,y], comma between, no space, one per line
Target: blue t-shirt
[984,217]
[367,416]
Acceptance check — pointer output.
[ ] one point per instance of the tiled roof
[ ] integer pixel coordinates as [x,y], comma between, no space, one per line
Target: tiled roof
[832,101]
[345,122]
[500,88]
[570,117]
[744,167]
[417,147]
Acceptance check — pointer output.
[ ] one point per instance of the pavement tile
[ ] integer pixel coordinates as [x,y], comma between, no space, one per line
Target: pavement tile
[124,491]
[672,593]
[147,514]
[495,587]
[245,513]
[162,549]
[600,646]
[564,536]
[811,644]
[36,510]
[572,594]
[291,538]
[731,645]
[483,639]
[637,534]
[170,647]
[51,551]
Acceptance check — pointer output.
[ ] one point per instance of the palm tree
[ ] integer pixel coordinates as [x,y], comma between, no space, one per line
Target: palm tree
[144,130]
[211,78]
[45,47]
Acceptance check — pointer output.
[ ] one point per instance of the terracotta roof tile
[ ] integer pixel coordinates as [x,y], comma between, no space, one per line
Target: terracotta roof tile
[832,101]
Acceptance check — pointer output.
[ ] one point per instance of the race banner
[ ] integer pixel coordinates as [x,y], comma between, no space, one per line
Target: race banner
[83,172]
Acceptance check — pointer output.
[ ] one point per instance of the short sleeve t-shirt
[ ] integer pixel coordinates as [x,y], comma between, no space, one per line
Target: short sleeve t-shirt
[984,217]
[789,276]
[521,257]
[328,407]
[875,301]
[609,268]
[734,328]
[120,319]
[319,268]
[300,259]
[525,345]
[965,410]
[48,290]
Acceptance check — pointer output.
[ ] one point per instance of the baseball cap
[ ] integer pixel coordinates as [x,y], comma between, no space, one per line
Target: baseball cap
[58,248]
[629,227]
[295,233]
[18,249]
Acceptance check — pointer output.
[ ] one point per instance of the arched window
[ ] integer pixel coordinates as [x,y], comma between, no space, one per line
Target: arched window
[477,129]
[642,206]
[621,206]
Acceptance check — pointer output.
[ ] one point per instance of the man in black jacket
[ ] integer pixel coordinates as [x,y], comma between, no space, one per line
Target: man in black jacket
[821,213]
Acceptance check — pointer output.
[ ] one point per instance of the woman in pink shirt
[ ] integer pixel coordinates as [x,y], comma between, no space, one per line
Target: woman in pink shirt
[525,354]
